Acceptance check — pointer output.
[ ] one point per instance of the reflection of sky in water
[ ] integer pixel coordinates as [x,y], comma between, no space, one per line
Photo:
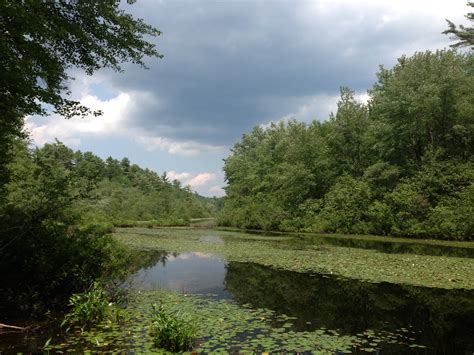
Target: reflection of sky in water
[197,273]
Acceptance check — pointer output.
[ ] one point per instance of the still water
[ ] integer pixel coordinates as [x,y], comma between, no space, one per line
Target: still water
[194,273]
[442,320]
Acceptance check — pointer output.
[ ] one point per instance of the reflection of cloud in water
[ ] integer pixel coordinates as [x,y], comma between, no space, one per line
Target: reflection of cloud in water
[192,272]
[192,255]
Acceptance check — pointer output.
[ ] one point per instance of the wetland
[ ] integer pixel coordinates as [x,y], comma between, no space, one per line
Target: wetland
[255,292]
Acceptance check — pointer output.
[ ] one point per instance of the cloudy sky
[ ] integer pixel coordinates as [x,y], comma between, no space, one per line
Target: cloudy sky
[232,64]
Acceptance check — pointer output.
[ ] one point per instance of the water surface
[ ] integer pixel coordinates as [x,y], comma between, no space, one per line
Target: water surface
[442,320]
[194,272]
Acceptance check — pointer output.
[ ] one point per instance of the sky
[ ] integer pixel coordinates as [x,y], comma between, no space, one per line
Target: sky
[230,65]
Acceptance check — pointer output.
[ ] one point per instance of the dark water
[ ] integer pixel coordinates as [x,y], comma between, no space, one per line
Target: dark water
[442,320]
[390,246]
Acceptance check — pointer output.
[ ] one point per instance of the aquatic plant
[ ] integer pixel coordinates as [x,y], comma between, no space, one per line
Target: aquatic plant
[172,329]
[220,327]
[292,254]
[88,307]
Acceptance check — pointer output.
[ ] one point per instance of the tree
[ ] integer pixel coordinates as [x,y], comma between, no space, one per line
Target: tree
[347,140]
[464,35]
[424,102]
[42,40]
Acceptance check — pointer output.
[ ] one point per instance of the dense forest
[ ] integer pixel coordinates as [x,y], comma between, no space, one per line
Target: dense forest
[401,164]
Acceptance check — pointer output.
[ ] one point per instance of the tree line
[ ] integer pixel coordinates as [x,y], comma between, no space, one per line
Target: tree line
[400,164]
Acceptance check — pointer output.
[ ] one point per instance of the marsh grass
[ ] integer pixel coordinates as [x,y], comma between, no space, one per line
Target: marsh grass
[88,308]
[166,221]
[172,329]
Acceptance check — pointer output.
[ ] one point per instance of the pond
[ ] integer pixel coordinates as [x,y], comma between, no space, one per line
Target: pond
[441,320]
[329,294]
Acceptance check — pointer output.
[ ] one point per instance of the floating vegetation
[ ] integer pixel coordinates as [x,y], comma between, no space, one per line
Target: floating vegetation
[222,326]
[362,264]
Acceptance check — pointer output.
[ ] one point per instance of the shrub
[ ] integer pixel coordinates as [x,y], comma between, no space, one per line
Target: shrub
[172,330]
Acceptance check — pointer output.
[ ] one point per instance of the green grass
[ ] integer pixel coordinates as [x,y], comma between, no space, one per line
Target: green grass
[363,264]
[203,222]
[163,222]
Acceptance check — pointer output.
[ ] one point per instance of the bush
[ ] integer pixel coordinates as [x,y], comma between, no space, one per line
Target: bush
[172,330]
[453,217]
[51,261]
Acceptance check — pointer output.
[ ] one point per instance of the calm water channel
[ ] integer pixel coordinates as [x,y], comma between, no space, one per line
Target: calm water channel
[442,320]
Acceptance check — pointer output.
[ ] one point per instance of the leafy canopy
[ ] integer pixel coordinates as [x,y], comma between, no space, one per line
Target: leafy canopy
[42,40]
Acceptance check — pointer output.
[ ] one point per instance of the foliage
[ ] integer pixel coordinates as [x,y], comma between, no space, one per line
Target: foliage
[172,329]
[58,210]
[222,326]
[391,166]
[42,40]
[88,307]
[344,208]
[45,255]
[464,35]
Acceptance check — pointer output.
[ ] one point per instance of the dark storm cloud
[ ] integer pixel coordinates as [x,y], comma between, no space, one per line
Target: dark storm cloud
[230,65]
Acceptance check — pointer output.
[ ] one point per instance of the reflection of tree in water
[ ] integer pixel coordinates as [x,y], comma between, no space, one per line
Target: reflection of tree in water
[146,259]
[138,260]
[163,259]
[389,247]
[444,318]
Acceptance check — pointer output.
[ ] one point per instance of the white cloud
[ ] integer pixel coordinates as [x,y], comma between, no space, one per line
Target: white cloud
[310,108]
[201,179]
[173,175]
[216,191]
[46,129]
[152,143]
[363,97]
[203,183]
[319,106]
[117,120]
[193,180]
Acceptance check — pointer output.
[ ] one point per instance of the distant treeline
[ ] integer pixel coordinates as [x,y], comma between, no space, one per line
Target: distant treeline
[400,164]
[113,191]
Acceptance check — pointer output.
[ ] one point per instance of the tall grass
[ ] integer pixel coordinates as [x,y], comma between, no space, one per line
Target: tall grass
[88,307]
[171,329]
